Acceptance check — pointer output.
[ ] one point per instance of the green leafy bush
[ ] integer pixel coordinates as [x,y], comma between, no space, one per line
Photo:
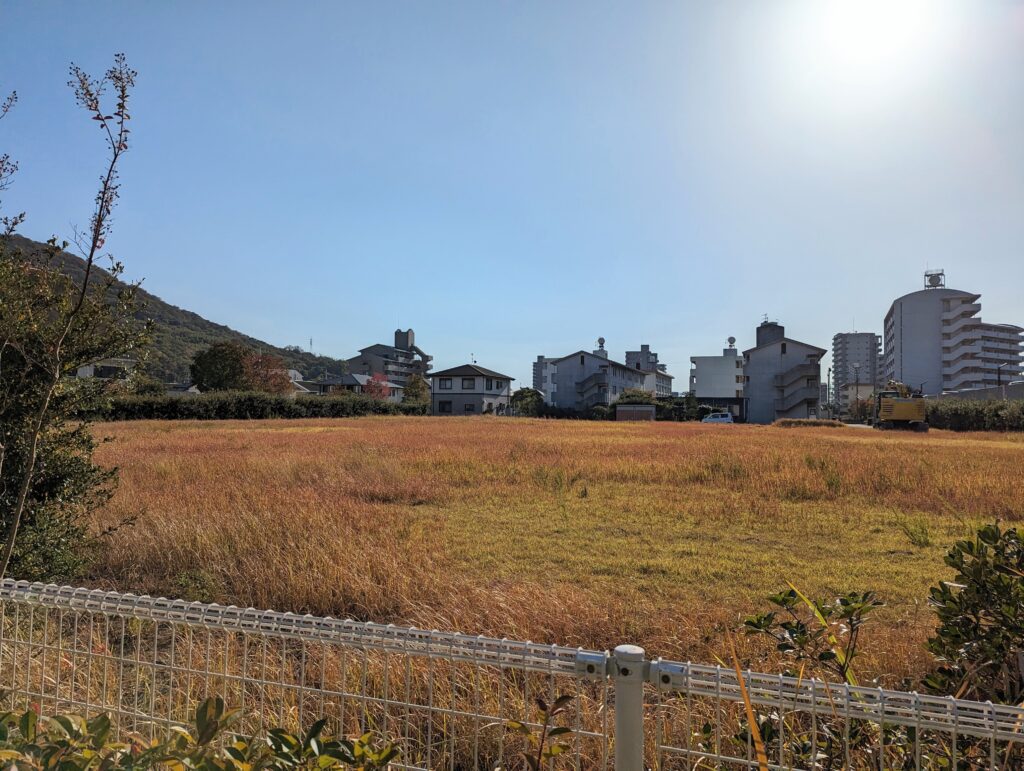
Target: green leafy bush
[246,405]
[980,638]
[823,634]
[976,415]
[71,743]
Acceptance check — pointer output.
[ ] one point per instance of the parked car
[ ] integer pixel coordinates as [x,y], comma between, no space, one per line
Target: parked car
[718,417]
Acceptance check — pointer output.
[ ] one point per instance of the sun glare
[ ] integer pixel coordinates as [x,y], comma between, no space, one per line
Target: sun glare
[858,52]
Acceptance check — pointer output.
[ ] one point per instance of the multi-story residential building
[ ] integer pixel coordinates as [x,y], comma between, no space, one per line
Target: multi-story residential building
[782,376]
[470,390]
[936,341]
[718,380]
[585,379]
[856,366]
[544,381]
[395,362]
[656,377]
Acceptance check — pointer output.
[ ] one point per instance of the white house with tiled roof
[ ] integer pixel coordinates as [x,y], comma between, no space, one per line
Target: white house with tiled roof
[470,390]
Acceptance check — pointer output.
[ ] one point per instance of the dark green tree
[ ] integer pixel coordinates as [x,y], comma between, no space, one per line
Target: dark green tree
[636,396]
[416,390]
[50,325]
[527,402]
[221,367]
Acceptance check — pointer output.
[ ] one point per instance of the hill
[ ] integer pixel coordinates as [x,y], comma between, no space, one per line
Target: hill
[179,334]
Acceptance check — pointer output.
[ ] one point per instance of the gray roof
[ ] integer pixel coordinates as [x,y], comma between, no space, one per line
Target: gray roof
[348,379]
[470,370]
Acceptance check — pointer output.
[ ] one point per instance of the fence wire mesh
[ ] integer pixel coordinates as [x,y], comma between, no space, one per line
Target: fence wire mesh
[445,697]
[700,721]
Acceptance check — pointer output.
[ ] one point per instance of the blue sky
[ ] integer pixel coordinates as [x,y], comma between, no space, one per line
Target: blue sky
[512,179]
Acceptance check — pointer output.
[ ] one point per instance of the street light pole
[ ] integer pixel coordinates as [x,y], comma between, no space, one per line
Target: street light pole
[856,385]
[828,394]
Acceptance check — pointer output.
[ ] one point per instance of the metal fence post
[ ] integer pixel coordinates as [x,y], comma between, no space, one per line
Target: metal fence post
[628,665]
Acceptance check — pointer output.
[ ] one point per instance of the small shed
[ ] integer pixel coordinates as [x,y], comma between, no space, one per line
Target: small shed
[634,411]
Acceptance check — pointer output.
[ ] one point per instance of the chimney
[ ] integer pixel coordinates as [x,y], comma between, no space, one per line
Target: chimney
[769,332]
[405,340]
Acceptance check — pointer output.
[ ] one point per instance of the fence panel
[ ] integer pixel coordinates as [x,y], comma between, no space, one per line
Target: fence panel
[445,697]
[699,721]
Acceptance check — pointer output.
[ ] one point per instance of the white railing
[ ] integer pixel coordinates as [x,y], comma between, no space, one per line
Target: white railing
[445,697]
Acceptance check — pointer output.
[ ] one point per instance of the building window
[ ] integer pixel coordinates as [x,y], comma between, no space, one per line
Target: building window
[499,384]
[783,347]
[468,383]
[581,359]
[739,394]
[739,378]
[490,384]
[470,408]
[444,408]
[446,385]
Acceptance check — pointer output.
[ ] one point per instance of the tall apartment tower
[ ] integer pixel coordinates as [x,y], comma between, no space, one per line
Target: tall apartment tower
[856,366]
[935,340]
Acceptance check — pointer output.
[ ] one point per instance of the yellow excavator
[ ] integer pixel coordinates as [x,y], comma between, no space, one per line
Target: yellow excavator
[897,406]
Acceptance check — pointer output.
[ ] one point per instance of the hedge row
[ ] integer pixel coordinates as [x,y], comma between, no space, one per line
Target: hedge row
[976,415]
[231,405]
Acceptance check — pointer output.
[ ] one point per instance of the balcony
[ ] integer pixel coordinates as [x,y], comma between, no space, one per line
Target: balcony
[971,309]
[592,381]
[799,372]
[960,352]
[792,399]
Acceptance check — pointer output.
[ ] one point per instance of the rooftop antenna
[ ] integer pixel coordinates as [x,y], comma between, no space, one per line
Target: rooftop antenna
[311,345]
[764,318]
[472,358]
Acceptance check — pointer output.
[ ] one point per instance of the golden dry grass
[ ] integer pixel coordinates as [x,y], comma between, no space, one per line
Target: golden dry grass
[574,532]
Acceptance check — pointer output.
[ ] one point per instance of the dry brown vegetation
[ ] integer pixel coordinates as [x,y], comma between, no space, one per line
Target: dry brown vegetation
[582,533]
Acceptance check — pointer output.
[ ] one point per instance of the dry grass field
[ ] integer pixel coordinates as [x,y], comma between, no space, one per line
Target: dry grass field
[577,532]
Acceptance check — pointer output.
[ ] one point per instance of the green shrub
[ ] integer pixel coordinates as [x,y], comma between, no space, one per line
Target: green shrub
[71,743]
[979,642]
[976,415]
[245,405]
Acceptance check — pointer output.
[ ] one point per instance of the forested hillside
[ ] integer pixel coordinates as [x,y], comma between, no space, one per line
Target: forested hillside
[179,334]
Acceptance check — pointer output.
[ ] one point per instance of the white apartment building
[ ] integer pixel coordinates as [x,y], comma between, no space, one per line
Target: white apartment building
[935,340]
[717,377]
[719,380]
[585,379]
[856,366]
[656,377]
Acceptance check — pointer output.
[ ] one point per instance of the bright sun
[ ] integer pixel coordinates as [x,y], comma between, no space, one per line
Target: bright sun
[859,52]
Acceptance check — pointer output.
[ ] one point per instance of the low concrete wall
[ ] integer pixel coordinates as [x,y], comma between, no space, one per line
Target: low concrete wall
[1009,391]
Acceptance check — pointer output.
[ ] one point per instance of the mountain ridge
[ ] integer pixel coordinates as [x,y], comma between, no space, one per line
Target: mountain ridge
[178,333]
